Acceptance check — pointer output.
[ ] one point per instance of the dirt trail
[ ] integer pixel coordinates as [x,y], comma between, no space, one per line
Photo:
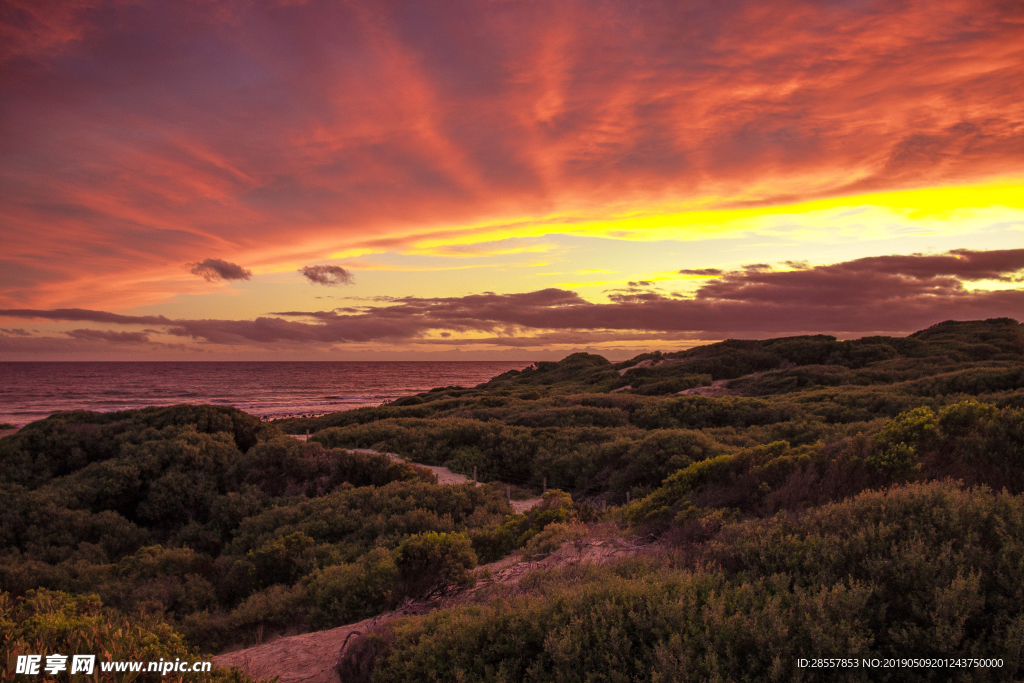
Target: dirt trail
[445,476]
[310,657]
[716,388]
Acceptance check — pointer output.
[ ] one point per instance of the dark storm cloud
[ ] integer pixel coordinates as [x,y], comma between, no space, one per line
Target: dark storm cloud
[961,263]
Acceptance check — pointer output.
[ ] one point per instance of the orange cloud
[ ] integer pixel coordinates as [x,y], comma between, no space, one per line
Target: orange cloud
[136,136]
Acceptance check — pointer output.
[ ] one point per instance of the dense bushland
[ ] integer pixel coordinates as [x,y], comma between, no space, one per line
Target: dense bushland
[218,523]
[796,478]
[923,570]
[583,423]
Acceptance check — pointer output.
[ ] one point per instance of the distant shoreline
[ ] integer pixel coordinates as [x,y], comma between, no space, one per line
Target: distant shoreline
[33,390]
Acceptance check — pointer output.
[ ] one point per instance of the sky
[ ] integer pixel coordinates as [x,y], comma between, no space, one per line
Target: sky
[501,179]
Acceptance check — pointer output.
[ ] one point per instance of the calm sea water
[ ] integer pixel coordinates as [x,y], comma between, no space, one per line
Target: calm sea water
[32,391]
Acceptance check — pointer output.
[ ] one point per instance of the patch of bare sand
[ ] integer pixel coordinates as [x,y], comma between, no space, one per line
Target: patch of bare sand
[716,388]
[652,363]
[306,658]
[521,506]
[592,549]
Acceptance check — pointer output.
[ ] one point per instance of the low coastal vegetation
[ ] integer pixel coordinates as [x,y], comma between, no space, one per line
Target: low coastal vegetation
[921,570]
[223,525]
[807,497]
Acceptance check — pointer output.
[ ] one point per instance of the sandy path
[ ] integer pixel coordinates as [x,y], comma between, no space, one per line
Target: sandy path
[521,506]
[310,657]
[445,476]
[716,388]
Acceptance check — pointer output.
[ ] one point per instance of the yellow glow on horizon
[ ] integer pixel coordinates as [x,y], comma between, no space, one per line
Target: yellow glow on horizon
[992,286]
[930,206]
[880,215]
[597,283]
[905,218]
[920,211]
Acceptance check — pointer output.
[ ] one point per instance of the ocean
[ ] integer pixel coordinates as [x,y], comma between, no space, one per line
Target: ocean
[32,391]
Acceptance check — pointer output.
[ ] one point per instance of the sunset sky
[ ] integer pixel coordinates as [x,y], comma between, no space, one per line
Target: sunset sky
[501,179]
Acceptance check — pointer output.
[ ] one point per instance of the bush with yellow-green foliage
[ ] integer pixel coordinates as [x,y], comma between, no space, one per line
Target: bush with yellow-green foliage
[970,441]
[51,622]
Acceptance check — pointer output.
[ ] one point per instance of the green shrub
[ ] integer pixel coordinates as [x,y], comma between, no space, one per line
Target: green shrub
[273,609]
[434,560]
[346,593]
[283,559]
[720,470]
